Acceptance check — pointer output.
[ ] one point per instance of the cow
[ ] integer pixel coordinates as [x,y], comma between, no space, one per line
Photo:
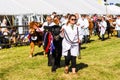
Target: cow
[35,36]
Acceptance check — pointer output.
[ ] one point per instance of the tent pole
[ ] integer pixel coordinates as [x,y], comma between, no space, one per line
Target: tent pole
[8,20]
[13,20]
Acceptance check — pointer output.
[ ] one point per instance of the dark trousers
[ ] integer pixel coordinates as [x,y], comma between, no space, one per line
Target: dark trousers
[103,37]
[69,58]
[86,38]
[55,58]
[118,33]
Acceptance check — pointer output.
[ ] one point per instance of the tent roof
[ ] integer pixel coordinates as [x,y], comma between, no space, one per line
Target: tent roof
[16,7]
[10,7]
[38,6]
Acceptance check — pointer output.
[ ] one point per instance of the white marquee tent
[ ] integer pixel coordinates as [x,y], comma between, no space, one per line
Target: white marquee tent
[38,6]
[13,7]
[84,6]
[10,7]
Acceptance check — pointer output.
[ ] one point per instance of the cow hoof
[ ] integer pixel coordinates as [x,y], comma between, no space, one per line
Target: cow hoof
[30,56]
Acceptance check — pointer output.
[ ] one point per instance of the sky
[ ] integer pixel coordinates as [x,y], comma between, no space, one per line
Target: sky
[114,1]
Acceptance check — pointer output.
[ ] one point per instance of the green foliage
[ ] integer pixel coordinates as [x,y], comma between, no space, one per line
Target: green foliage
[100,60]
[117,4]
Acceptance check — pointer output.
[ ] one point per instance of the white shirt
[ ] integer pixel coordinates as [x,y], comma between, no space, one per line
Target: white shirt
[46,24]
[103,23]
[117,24]
[86,23]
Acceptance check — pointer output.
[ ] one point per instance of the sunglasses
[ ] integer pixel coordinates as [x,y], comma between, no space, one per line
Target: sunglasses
[73,19]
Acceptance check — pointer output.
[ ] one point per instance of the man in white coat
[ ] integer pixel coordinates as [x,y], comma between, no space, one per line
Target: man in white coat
[83,25]
[103,26]
[118,26]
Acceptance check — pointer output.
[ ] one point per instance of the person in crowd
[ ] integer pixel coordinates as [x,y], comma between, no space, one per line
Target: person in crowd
[95,18]
[70,43]
[64,18]
[14,35]
[1,34]
[112,25]
[57,42]
[78,17]
[53,14]
[81,23]
[86,29]
[52,42]
[1,37]
[48,22]
[118,26]
[84,24]
[3,24]
[108,20]
[1,31]
[56,20]
[6,33]
[103,26]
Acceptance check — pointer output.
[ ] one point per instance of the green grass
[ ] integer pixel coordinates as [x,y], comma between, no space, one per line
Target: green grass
[100,61]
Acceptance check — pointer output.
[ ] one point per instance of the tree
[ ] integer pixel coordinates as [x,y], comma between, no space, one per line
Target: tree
[117,4]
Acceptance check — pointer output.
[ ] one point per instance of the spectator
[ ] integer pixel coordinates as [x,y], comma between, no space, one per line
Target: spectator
[3,24]
[103,26]
[118,26]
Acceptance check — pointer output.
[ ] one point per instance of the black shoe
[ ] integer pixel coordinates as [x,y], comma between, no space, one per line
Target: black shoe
[49,64]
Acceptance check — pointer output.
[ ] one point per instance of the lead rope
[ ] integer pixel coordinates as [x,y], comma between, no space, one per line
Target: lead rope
[68,39]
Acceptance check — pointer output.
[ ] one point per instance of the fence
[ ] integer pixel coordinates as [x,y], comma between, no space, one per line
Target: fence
[13,36]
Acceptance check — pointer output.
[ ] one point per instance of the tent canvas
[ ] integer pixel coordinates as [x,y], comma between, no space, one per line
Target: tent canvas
[10,7]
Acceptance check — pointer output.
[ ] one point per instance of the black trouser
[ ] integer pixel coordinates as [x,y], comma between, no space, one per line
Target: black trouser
[69,58]
[102,37]
[108,32]
[86,38]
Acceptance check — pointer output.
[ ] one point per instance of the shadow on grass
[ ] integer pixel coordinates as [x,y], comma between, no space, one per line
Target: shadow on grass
[83,47]
[79,66]
[39,53]
[91,41]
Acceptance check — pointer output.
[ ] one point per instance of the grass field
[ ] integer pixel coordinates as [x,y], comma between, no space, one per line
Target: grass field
[100,61]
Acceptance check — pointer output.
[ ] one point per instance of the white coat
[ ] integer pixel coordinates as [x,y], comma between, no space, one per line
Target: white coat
[73,36]
[46,24]
[83,25]
[117,24]
[86,25]
[103,26]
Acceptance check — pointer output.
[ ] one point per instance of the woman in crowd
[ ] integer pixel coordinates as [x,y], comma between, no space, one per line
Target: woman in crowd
[70,43]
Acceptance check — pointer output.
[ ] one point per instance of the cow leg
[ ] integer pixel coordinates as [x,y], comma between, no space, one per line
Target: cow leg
[32,45]
[39,43]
